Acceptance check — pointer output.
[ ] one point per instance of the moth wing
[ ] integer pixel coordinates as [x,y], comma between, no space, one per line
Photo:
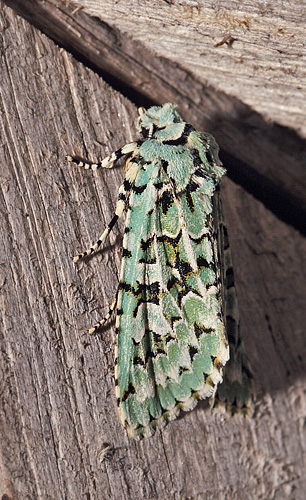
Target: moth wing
[171,340]
[236,392]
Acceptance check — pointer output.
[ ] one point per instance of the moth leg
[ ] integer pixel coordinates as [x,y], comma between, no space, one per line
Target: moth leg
[123,194]
[102,321]
[109,161]
[124,191]
[120,205]
[101,239]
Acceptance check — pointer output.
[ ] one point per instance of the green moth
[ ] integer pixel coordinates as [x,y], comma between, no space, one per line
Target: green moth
[177,318]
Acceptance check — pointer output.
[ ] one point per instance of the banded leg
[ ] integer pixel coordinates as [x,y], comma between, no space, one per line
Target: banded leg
[120,205]
[102,321]
[124,191]
[123,194]
[109,161]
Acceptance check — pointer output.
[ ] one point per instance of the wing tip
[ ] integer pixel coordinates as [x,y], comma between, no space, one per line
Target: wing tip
[207,390]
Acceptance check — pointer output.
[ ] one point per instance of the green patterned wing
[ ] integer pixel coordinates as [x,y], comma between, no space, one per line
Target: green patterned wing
[176,290]
[171,343]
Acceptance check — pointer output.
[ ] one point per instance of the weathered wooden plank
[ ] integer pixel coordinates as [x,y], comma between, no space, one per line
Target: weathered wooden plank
[58,408]
[254,51]
[266,158]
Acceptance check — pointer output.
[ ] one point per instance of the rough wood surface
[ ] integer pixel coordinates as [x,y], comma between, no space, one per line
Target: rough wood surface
[57,403]
[254,51]
[266,158]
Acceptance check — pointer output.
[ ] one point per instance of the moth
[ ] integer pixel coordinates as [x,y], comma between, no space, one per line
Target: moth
[177,318]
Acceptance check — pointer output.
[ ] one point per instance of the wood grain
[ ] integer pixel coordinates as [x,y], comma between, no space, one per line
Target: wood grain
[267,158]
[58,410]
[263,65]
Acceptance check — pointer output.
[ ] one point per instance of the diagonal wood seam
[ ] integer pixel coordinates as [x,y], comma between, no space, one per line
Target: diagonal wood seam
[266,158]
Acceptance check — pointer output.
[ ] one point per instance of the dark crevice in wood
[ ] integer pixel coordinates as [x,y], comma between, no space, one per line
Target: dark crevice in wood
[57,400]
[275,198]
[147,80]
[137,98]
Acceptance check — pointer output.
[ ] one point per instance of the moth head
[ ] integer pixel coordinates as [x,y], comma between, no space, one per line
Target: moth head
[157,118]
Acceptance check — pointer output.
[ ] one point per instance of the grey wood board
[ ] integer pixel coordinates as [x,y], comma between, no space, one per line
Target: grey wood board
[263,65]
[275,156]
[58,410]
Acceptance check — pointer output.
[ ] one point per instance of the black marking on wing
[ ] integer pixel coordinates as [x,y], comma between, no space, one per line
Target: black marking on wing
[152,355]
[199,239]
[125,286]
[145,131]
[159,350]
[180,141]
[143,260]
[173,319]
[182,293]
[201,173]
[200,330]
[169,337]
[153,338]
[183,369]
[189,200]
[187,129]
[158,341]
[219,366]
[156,337]
[165,164]
[184,269]
[192,351]
[126,394]
[192,186]
[196,158]
[172,281]
[149,293]
[144,245]
[166,200]
[139,189]
[138,361]
[127,185]
[183,138]
[126,253]
[202,262]
[168,239]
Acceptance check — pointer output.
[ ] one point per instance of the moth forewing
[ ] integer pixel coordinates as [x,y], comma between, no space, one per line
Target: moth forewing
[171,343]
